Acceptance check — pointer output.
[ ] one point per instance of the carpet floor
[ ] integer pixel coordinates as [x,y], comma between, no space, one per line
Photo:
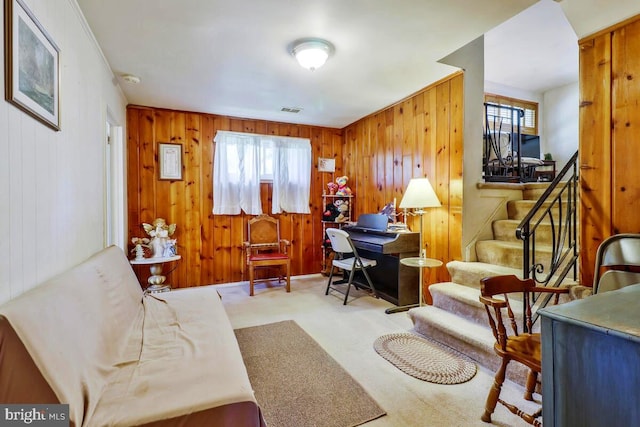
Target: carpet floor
[347,333]
[297,383]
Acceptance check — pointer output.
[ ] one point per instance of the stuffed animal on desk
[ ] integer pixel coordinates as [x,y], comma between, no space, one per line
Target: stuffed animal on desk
[343,189]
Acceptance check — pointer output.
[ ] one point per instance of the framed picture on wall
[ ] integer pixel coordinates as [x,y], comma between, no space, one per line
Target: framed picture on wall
[170,161]
[32,67]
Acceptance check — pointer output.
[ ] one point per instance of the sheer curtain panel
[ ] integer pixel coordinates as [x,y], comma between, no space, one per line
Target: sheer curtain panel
[291,175]
[236,174]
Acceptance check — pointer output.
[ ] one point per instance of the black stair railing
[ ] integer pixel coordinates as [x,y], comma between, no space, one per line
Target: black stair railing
[556,211]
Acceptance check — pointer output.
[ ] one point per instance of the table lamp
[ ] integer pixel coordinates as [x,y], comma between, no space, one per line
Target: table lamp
[418,196]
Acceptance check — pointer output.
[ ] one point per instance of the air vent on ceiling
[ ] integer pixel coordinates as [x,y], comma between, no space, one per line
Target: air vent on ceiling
[291,109]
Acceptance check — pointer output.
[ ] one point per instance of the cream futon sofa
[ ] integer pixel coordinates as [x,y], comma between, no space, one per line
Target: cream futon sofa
[90,338]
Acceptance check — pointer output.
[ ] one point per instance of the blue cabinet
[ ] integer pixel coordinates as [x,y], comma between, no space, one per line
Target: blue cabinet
[591,361]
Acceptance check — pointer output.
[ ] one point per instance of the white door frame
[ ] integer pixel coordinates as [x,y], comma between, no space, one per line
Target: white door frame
[115,182]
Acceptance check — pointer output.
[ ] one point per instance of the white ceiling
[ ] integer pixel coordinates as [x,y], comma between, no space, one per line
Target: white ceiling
[231,57]
[534,51]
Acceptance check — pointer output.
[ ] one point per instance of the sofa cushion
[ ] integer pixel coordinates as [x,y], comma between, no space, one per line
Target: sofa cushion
[75,325]
[190,361]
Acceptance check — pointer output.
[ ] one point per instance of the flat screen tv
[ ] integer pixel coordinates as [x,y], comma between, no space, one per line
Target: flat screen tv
[530,146]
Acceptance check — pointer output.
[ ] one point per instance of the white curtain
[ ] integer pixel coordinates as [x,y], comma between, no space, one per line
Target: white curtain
[291,175]
[236,174]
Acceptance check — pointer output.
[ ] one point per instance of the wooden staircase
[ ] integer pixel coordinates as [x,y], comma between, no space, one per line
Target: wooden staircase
[456,317]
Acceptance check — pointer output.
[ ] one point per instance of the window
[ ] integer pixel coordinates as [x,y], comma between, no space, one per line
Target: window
[266,160]
[528,123]
[242,160]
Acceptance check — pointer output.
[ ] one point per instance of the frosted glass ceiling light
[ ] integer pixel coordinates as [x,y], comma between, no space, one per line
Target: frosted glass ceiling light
[311,53]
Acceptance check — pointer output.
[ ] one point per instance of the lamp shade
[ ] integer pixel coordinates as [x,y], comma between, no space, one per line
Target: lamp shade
[419,194]
[311,53]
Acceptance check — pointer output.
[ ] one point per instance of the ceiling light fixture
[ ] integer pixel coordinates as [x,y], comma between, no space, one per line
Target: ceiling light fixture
[311,53]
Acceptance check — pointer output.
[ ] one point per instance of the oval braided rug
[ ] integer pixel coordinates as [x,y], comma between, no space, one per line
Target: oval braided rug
[425,359]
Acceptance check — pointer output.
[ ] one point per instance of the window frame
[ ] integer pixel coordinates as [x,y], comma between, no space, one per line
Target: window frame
[518,103]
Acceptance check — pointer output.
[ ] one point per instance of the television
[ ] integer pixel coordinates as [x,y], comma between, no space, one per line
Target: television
[530,146]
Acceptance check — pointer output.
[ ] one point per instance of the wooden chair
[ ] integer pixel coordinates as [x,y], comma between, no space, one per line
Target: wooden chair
[347,259]
[265,248]
[617,263]
[510,345]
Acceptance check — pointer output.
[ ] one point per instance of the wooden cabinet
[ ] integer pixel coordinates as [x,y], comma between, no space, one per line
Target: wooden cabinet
[590,361]
[333,219]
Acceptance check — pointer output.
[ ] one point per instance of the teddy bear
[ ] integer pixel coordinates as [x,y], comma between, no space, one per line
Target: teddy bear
[343,189]
[343,208]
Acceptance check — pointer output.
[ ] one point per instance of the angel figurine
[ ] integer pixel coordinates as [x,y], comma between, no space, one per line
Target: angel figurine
[160,232]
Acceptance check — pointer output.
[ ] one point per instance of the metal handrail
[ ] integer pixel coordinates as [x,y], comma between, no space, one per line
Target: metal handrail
[561,213]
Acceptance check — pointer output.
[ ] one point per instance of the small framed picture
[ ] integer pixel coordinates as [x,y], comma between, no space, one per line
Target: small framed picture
[170,161]
[326,165]
[31,65]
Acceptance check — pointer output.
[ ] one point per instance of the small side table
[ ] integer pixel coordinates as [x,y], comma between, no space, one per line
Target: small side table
[156,280]
[420,263]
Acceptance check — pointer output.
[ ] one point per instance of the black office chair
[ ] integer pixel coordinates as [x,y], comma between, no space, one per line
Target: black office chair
[343,246]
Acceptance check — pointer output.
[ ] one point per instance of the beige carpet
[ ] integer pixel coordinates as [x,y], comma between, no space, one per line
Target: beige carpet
[297,383]
[347,334]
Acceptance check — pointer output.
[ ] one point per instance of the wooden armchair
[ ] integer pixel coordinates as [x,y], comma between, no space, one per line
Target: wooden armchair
[523,347]
[265,248]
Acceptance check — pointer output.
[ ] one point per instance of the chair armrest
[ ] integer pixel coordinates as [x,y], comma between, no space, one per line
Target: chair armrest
[284,244]
[550,290]
[493,302]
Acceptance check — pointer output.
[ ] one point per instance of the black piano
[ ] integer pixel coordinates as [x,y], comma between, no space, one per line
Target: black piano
[394,282]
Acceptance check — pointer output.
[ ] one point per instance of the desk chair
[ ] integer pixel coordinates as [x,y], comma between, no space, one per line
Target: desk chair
[343,246]
[524,348]
[620,254]
[265,248]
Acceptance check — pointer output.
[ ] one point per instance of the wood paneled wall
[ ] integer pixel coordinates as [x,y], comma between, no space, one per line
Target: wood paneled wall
[211,246]
[609,138]
[418,137]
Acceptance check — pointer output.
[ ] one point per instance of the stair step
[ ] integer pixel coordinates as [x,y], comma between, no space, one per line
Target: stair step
[464,336]
[459,299]
[534,190]
[518,209]
[470,273]
[505,229]
[509,254]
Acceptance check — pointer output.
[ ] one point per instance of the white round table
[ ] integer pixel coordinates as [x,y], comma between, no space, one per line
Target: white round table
[156,280]
[420,263]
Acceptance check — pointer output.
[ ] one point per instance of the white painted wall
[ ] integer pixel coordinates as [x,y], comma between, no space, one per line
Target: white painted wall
[560,123]
[52,183]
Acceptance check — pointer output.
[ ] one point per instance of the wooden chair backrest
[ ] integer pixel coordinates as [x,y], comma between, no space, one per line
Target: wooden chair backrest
[263,232]
[499,310]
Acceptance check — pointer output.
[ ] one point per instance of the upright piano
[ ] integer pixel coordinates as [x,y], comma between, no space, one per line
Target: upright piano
[393,281]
